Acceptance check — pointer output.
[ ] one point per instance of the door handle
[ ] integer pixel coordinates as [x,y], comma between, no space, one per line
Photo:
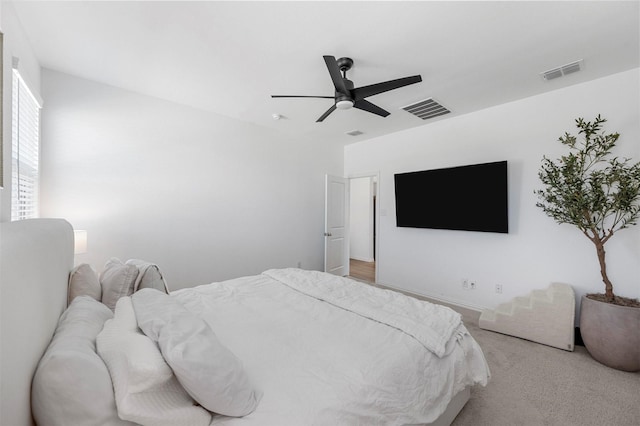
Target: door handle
[327,234]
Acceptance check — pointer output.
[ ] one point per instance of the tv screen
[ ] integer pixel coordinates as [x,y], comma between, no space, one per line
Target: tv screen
[468,198]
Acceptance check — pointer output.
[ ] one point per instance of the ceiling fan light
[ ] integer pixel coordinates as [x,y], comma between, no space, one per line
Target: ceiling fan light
[344,104]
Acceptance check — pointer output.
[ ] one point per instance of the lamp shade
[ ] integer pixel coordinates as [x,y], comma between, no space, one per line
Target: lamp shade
[80,241]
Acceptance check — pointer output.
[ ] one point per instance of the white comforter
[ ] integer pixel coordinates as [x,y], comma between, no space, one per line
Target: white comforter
[326,350]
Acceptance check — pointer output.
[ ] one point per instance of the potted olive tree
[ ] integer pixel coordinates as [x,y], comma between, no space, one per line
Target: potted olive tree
[600,195]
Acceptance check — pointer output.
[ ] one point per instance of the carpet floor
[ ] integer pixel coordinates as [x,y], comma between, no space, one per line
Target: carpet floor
[534,384]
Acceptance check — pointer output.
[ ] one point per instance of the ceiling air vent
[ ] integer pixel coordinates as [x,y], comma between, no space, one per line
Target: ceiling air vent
[563,70]
[426,109]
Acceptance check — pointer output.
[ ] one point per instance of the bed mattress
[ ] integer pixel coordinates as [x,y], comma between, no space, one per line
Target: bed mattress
[327,350]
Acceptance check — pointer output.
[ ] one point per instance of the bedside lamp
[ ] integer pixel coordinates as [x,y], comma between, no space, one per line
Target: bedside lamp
[80,242]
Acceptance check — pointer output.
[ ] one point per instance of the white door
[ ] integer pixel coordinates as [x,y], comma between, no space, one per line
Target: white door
[336,241]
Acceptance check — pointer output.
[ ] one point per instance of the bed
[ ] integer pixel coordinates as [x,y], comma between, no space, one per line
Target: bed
[291,347]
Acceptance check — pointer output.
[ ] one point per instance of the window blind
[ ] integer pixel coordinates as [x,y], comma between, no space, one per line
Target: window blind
[25,156]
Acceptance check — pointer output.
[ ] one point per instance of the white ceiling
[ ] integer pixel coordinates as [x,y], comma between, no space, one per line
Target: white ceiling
[229,57]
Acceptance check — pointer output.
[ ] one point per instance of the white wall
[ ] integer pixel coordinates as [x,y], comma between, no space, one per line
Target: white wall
[537,251]
[205,197]
[361,219]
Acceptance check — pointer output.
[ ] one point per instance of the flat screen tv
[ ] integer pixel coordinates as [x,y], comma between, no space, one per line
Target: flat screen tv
[468,198]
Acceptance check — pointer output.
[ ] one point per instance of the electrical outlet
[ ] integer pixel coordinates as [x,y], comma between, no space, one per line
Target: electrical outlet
[465,284]
[498,288]
[472,285]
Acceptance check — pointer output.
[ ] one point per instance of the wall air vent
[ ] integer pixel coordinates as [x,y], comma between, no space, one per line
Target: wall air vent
[355,133]
[426,109]
[563,70]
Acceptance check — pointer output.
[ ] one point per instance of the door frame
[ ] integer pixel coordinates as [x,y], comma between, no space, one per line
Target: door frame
[376,217]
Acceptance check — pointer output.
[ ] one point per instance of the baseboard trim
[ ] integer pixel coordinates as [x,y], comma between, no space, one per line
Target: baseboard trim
[449,301]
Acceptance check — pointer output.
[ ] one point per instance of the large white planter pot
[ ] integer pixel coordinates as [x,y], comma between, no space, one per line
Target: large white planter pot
[611,333]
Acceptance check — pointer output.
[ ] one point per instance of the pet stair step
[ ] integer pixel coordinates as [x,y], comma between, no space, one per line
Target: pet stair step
[544,316]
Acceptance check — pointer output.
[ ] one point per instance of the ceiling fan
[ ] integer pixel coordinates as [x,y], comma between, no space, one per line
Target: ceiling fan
[346,96]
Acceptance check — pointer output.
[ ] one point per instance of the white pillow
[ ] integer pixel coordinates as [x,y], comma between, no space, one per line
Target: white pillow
[146,389]
[117,280]
[210,372]
[149,276]
[71,385]
[83,281]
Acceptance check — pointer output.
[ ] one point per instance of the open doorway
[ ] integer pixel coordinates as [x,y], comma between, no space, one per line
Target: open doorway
[362,227]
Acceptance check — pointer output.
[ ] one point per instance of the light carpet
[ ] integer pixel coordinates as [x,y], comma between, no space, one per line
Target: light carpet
[534,384]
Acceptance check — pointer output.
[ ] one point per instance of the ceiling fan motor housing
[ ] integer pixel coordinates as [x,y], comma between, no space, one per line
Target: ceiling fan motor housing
[348,84]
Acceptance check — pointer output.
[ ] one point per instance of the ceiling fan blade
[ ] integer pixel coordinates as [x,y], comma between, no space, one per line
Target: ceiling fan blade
[334,72]
[374,89]
[326,114]
[302,96]
[369,107]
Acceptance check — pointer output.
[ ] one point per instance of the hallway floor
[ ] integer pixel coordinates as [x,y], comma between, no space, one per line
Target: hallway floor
[361,270]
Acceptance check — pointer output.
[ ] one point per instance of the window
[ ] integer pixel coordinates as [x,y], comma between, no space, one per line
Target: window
[25,151]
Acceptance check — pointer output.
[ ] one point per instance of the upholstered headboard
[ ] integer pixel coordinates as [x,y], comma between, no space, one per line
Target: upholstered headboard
[36,257]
